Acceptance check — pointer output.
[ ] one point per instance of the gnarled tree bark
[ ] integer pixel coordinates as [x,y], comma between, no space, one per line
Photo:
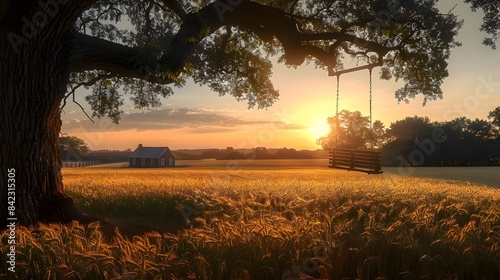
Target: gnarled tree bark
[33,82]
[34,73]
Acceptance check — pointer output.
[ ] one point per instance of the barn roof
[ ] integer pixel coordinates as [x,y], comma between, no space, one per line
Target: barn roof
[149,152]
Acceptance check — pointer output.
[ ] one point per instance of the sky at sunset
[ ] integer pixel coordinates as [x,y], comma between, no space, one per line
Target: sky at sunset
[196,117]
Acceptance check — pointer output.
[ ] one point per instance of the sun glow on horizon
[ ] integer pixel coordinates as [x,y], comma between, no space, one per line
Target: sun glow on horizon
[319,128]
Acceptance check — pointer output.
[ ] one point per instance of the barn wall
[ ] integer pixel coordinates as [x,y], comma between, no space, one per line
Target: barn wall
[167,155]
[157,162]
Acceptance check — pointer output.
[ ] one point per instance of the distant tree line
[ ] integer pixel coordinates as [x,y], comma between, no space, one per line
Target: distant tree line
[72,148]
[417,141]
[262,153]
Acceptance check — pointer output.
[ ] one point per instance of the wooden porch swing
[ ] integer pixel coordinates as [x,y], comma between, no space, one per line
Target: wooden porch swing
[363,160]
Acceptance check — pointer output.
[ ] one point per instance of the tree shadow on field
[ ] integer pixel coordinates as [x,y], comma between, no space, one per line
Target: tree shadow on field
[132,226]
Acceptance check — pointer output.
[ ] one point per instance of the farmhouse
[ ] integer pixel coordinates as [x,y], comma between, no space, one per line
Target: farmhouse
[152,157]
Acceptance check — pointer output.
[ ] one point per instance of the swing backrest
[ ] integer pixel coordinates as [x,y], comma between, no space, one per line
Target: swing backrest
[368,161]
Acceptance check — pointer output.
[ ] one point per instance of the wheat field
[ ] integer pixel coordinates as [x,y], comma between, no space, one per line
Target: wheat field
[266,224]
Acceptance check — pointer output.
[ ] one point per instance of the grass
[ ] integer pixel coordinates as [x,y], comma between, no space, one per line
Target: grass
[266,224]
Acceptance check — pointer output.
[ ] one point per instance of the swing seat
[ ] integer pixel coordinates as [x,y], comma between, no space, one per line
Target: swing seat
[362,160]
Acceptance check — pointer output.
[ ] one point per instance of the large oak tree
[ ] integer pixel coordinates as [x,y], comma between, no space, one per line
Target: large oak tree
[49,48]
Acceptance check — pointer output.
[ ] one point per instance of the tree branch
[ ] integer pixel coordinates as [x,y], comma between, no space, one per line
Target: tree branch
[264,21]
[176,7]
[277,23]
[92,53]
[85,84]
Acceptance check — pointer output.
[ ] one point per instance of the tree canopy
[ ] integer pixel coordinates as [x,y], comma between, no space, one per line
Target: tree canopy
[227,46]
[72,148]
[495,118]
[491,19]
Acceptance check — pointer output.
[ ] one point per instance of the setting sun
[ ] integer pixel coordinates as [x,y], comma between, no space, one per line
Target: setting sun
[320,128]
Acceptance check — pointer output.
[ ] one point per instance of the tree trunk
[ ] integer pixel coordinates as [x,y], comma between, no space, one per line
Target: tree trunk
[33,79]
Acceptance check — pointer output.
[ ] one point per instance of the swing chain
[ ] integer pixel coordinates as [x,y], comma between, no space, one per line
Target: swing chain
[337,112]
[371,121]
[370,98]
[338,90]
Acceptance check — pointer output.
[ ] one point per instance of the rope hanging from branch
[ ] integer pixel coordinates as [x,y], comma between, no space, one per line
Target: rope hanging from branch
[337,112]
[371,98]
[338,90]
[371,121]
